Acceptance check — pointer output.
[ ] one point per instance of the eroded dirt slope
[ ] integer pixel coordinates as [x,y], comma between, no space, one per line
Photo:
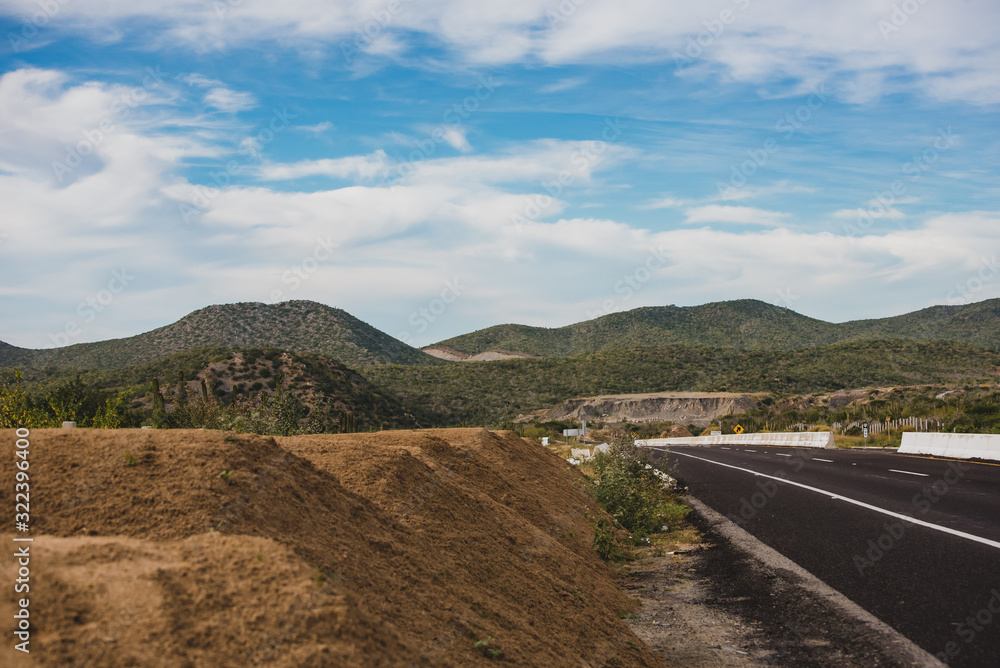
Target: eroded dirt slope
[390,548]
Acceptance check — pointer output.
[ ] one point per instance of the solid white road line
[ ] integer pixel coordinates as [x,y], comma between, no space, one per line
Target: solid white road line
[832,495]
[925,475]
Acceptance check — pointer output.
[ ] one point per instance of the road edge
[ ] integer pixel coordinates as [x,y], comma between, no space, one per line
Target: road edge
[890,640]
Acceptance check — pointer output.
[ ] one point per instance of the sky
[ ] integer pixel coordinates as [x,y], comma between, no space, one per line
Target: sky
[439,166]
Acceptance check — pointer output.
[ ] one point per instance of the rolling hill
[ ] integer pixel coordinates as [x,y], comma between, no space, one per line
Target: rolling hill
[741,325]
[322,386]
[296,326]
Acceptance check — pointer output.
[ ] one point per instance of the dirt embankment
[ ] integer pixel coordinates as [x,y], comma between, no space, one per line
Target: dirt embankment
[452,355]
[697,408]
[384,549]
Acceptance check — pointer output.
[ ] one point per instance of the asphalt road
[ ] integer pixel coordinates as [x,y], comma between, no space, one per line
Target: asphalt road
[913,540]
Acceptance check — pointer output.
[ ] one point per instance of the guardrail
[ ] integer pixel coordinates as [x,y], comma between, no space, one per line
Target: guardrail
[806,439]
[959,446]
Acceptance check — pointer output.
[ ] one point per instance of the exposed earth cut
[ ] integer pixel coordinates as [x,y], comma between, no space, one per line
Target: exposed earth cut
[697,408]
[452,355]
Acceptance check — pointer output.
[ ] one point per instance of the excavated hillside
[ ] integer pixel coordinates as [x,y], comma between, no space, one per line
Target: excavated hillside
[697,408]
[396,548]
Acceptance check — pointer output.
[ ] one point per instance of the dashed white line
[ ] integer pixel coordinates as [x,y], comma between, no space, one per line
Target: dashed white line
[782,454]
[922,475]
[750,451]
[817,459]
[900,516]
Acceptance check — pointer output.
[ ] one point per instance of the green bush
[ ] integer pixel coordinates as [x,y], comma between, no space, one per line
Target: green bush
[631,490]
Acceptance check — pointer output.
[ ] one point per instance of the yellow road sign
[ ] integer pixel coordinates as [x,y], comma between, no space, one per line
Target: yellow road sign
[738,429]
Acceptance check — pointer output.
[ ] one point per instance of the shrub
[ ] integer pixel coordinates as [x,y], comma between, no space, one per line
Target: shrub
[630,488]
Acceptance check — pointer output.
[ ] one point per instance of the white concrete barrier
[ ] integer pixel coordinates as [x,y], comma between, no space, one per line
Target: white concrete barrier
[802,439]
[959,446]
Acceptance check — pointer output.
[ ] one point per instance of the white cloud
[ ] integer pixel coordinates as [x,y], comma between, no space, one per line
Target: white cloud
[230,101]
[665,203]
[741,215]
[949,53]
[753,192]
[200,81]
[365,167]
[874,211]
[566,83]
[394,245]
[455,137]
[317,129]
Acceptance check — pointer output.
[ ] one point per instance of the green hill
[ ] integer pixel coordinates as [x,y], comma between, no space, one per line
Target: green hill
[976,324]
[296,326]
[741,325]
[325,388]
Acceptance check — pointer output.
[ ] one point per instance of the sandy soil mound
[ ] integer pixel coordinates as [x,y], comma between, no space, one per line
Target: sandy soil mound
[390,548]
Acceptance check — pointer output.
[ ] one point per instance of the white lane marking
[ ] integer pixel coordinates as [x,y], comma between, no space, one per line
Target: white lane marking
[727,448]
[924,475]
[900,516]
[817,459]
[782,454]
[751,451]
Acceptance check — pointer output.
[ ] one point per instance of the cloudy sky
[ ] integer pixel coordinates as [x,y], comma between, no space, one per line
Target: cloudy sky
[439,166]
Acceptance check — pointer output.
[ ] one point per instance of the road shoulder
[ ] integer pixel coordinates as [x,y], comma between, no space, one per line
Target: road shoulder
[736,602]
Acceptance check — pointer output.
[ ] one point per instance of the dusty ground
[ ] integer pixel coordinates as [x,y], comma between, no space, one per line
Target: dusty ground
[386,549]
[715,604]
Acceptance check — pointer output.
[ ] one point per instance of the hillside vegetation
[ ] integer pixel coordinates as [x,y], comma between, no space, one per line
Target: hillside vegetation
[492,393]
[262,390]
[742,325]
[483,392]
[742,346]
[296,326]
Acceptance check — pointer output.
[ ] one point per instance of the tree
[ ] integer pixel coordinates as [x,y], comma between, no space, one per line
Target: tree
[16,408]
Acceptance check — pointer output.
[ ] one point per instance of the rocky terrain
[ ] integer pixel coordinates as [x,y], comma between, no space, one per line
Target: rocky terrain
[697,408]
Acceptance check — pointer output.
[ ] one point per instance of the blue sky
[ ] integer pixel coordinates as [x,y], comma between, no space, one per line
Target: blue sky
[442,166]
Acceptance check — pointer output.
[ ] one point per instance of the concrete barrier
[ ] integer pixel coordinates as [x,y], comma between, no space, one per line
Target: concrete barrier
[959,446]
[803,439]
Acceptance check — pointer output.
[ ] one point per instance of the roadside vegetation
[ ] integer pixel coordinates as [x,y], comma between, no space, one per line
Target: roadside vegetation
[962,409]
[640,496]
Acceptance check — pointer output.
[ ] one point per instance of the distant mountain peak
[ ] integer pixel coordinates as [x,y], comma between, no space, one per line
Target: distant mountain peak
[297,326]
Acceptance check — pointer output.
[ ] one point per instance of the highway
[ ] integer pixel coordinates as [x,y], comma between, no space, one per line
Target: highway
[913,540]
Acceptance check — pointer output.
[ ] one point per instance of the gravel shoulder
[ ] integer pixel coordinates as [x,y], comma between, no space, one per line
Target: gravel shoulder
[732,601]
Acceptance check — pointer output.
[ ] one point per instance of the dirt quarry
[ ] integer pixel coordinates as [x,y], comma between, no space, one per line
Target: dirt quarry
[452,355]
[697,408]
[457,547]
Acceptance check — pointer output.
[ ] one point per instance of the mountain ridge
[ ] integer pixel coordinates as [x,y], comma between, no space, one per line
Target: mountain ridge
[745,324]
[311,327]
